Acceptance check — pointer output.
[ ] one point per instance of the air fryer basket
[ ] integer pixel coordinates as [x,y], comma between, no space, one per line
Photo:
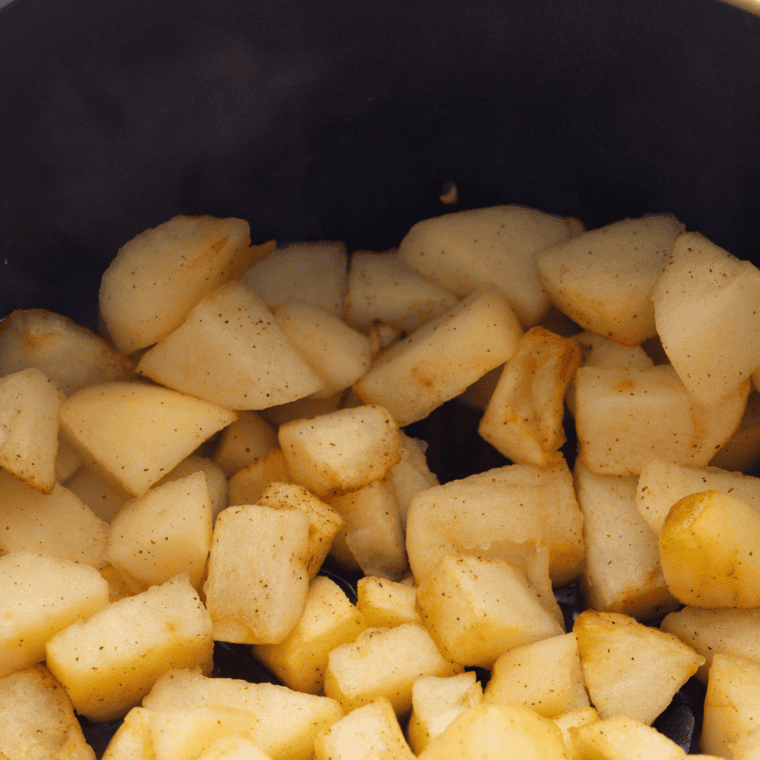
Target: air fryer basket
[337,119]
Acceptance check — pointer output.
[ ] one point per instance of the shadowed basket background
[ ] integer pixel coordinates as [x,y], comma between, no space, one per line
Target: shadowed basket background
[343,120]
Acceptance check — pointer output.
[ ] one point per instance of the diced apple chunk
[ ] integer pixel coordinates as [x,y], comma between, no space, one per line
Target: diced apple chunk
[499,514]
[709,551]
[622,571]
[337,353]
[706,310]
[37,721]
[662,483]
[477,609]
[230,351]
[341,451]
[371,535]
[630,669]
[247,439]
[523,419]
[136,433]
[57,524]
[370,732]
[436,701]
[257,577]
[492,732]
[603,279]
[163,533]
[468,249]
[159,275]
[40,596]
[732,703]
[247,485]
[625,417]
[623,738]
[381,288]
[29,405]
[314,273]
[385,603]
[283,722]
[324,521]
[67,353]
[384,662]
[721,631]
[328,620]
[545,676]
[439,360]
[109,662]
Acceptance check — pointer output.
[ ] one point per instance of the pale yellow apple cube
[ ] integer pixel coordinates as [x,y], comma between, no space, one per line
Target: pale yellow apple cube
[622,571]
[603,279]
[501,513]
[247,439]
[159,275]
[722,631]
[663,483]
[136,433]
[109,662]
[324,521]
[467,249]
[477,609]
[623,738]
[383,289]
[40,596]
[523,418]
[440,359]
[709,551]
[283,722]
[732,703]
[29,405]
[370,732]
[257,575]
[328,620]
[337,353]
[341,451]
[186,733]
[493,732]
[385,603]
[230,351]
[163,533]
[37,721]
[247,485]
[132,739]
[67,353]
[215,479]
[626,416]
[630,669]
[705,306]
[436,701]
[312,272]
[57,524]
[233,748]
[384,662]
[545,676]
[371,535]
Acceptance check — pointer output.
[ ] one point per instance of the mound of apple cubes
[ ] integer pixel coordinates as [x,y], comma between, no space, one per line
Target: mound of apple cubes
[183,480]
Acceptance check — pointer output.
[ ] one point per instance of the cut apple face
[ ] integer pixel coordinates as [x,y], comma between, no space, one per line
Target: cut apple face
[159,275]
[707,317]
[232,332]
[136,433]
[29,404]
[468,249]
[603,279]
[709,551]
